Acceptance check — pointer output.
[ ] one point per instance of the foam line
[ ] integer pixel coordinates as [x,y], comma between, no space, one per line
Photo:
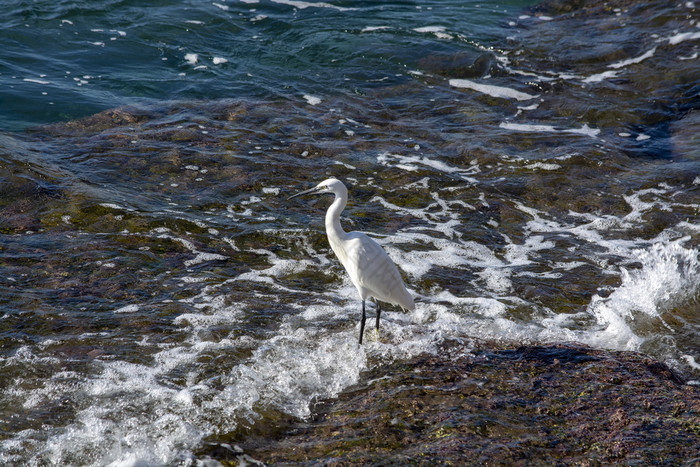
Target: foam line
[585,130]
[491,90]
[302,5]
[632,61]
[683,36]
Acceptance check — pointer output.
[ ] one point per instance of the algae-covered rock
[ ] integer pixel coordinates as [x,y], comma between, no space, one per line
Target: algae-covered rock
[497,405]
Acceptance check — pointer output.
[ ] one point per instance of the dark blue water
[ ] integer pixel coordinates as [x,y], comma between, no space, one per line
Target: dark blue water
[65,60]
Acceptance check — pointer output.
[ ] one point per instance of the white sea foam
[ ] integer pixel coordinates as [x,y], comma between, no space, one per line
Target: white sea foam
[158,410]
[691,361]
[302,5]
[543,166]
[670,274]
[375,28]
[292,369]
[200,257]
[136,415]
[36,81]
[632,61]
[312,100]
[684,36]
[639,206]
[491,90]
[438,31]
[128,309]
[598,77]
[532,128]
[430,29]
[413,163]
[115,206]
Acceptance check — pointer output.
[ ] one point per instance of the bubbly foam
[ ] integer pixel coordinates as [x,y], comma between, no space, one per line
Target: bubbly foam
[684,36]
[224,367]
[312,100]
[412,163]
[302,5]
[530,128]
[670,274]
[492,90]
[159,410]
[632,61]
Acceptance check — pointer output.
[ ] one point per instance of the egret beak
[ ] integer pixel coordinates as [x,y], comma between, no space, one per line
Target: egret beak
[306,192]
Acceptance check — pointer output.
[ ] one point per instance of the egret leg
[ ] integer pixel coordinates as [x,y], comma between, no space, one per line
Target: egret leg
[379,311]
[362,321]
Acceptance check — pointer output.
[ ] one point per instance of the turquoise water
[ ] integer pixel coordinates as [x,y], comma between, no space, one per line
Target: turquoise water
[533,172]
[65,60]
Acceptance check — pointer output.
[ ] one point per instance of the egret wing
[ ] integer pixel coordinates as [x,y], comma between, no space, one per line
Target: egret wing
[373,272]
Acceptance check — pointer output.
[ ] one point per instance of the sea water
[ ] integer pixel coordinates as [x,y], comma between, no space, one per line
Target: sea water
[535,176]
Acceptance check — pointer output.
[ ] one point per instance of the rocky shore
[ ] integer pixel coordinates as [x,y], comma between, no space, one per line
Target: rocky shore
[146,249]
[562,404]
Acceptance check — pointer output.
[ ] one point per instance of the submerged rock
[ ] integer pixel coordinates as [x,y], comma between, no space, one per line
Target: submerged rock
[552,404]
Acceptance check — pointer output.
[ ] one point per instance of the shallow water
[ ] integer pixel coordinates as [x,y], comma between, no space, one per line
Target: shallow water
[158,290]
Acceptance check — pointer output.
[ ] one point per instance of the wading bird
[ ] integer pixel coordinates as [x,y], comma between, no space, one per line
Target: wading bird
[369,267]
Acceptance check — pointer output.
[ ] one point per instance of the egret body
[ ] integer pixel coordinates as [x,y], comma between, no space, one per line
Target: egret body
[369,267]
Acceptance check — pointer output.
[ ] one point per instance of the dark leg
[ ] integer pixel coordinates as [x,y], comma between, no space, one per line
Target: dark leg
[362,321]
[379,311]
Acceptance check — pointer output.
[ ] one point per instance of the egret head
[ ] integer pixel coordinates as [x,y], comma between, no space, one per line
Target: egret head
[332,186]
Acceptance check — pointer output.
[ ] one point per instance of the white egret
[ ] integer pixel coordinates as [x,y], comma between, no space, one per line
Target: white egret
[369,267]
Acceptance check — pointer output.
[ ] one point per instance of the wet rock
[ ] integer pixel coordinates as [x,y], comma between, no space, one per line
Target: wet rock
[685,137]
[462,65]
[500,405]
[122,116]
[623,52]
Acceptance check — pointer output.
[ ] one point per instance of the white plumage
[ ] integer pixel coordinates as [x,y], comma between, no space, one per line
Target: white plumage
[369,267]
